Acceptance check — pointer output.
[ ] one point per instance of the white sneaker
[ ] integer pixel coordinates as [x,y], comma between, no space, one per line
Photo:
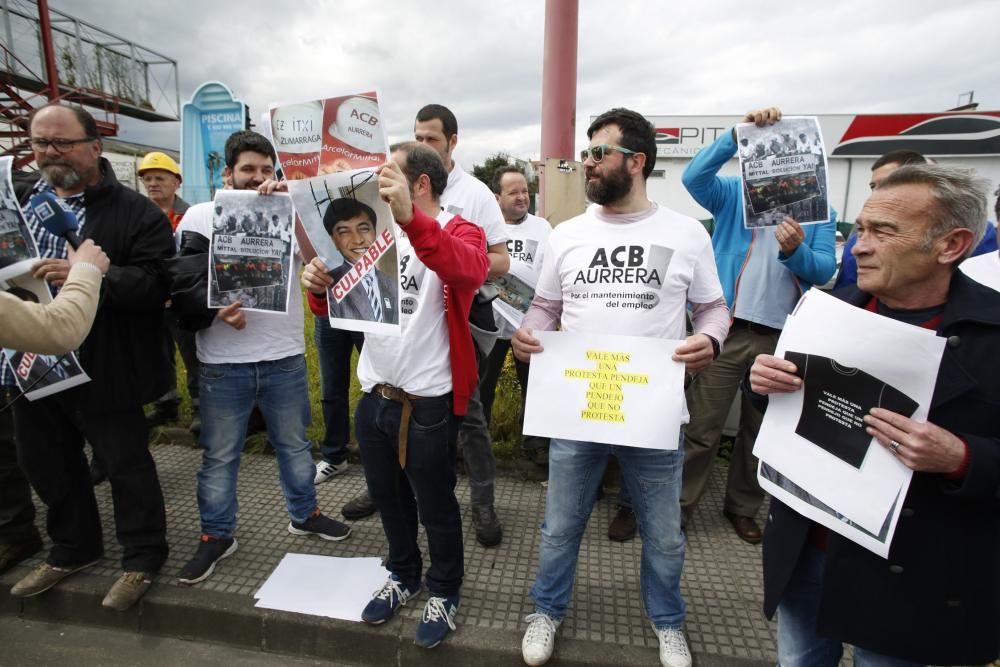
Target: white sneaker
[539,639]
[325,471]
[673,648]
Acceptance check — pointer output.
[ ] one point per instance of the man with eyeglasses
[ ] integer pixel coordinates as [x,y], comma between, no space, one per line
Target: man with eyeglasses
[646,254]
[763,273]
[124,354]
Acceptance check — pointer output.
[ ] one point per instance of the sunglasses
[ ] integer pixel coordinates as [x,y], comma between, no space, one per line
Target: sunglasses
[597,153]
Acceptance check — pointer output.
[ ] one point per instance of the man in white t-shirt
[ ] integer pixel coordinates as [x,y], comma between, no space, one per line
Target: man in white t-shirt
[415,389]
[647,254]
[248,359]
[527,235]
[467,196]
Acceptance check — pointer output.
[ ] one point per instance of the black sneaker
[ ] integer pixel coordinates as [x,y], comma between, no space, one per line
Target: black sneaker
[210,551]
[359,507]
[489,532]
[622,527]
[322,525]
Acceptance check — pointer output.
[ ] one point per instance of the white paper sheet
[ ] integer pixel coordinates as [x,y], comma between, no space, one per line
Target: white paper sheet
[903,356]
[620,390]
[322,585]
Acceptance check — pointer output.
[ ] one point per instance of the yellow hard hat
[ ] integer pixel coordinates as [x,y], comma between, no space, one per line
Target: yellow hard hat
[158,160]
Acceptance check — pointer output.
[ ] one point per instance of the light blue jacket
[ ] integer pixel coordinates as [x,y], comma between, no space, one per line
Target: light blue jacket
[813,262]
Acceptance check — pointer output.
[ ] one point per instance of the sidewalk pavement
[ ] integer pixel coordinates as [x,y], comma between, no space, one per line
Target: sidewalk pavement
[606,624]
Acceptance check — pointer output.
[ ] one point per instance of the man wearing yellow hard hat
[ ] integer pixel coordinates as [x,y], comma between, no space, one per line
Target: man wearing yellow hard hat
[161,177]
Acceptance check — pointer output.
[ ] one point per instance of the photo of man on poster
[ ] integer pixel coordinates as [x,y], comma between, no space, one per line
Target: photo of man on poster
[351,225]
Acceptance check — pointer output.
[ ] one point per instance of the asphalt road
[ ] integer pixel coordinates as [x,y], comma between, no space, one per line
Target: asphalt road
[25,643]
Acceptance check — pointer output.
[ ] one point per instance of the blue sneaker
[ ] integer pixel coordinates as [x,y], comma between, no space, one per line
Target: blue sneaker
[387,600]
[437,621]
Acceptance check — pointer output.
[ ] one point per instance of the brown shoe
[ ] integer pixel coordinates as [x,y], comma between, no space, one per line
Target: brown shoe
[44,577]
[746,527]
[127,590]
[622,527]
[12,554]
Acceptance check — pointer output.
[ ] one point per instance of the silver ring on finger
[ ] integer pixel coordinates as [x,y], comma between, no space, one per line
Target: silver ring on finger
[894,446]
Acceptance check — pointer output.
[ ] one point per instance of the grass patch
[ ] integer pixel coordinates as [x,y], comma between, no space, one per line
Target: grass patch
[505,429]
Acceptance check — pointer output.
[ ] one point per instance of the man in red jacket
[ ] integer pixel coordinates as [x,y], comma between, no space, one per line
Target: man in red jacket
[416,388]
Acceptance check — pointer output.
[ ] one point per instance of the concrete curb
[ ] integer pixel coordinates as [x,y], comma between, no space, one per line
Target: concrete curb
[227,618]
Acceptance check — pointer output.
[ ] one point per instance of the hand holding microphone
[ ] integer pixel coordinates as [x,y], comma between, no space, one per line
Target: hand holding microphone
[89,253]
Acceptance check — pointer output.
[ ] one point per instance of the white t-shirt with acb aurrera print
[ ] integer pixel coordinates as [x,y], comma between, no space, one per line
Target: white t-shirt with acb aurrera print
[629,278]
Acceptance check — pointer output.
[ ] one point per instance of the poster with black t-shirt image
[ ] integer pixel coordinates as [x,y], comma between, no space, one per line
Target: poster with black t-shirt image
[857,477]
[835,400]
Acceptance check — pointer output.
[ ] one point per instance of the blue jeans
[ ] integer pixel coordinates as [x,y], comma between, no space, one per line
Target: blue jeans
[228,394]
[653,477]
[425,488]
[334,347]
[798,643]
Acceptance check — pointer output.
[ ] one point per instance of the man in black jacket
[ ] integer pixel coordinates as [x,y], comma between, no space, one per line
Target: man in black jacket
[936,598]
[124,355]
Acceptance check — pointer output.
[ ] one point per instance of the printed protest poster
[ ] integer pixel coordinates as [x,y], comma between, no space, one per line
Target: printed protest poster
[793,495]
[40,375]
[353,233]
[325,136]
[514,296]
[850,360]
[516,288]
[619,390]
[250,256]
[784,172]
[18,250]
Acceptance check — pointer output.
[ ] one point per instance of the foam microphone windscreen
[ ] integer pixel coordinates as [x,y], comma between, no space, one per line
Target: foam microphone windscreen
[56,218]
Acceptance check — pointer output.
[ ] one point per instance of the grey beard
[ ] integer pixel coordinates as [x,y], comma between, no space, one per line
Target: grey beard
[62,176]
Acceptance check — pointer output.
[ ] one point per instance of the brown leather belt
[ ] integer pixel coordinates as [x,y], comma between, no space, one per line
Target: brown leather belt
[754,327]
[390,393]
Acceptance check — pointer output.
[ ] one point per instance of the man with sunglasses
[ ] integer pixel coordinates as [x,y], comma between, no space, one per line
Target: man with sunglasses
[124,354]
[763,274]
[648,255]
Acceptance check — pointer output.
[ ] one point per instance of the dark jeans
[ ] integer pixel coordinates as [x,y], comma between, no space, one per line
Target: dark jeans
[335,347]
[489,375]
[425,488]
[49,434]
[17,512]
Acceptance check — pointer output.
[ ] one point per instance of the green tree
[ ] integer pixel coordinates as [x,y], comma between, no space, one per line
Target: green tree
[485,171]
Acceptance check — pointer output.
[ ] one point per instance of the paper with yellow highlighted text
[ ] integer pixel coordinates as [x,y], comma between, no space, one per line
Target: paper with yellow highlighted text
[619,390]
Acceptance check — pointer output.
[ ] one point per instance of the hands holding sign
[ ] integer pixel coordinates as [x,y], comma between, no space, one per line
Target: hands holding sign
[696,353]
[920,446]
[395,191]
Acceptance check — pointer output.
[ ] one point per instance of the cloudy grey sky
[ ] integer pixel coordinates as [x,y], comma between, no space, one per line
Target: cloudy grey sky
[484,59]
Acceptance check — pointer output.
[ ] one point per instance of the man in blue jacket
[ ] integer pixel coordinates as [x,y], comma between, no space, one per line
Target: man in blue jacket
[763,273]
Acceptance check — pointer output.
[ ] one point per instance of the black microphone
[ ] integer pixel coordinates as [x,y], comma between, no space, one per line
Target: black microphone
[56,218]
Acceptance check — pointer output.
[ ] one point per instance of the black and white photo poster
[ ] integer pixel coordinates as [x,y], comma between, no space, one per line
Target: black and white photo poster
[851,360]
[250,257]
[784,172]
[40,375]
[354,234]
[18,250]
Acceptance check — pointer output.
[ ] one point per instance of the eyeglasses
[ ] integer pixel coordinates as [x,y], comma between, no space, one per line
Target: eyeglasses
[61,145]
[597,153]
